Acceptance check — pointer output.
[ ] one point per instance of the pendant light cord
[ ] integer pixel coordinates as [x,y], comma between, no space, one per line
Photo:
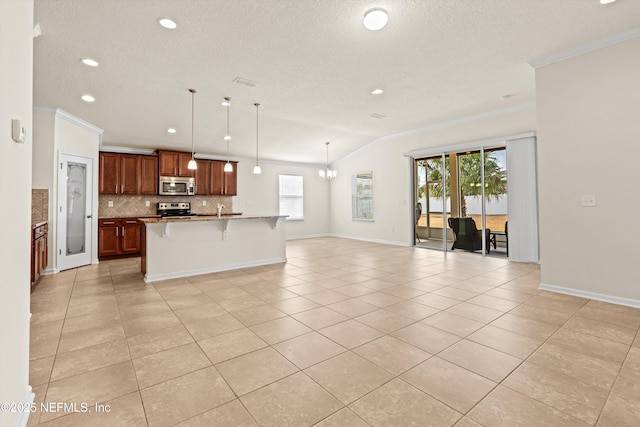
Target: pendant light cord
[257,127]
[228,135]
[327,144]
[193,91]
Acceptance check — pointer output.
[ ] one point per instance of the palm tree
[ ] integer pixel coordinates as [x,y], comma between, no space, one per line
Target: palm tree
[495,179]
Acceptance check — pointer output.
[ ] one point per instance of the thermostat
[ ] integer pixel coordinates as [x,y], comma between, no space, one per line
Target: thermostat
[18,133]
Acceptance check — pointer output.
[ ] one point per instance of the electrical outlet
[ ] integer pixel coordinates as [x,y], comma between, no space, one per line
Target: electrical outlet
[588,201]
[110,203]
[147,203]
[204,203]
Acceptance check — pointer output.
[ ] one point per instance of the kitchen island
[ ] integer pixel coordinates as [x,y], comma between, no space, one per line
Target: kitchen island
[181,247]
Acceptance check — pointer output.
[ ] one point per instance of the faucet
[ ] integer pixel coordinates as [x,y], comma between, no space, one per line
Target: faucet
[220,207]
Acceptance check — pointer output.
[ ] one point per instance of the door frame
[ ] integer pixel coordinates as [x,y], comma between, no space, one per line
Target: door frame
[60,211]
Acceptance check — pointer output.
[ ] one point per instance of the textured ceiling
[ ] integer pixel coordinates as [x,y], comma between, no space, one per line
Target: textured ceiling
[313,61]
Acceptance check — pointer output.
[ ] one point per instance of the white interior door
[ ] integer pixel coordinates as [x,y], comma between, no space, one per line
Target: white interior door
[75,202]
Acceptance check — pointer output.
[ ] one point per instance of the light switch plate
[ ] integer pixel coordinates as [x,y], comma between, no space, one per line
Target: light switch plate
[110,203]
[588,201]
[204,203]
[147,203]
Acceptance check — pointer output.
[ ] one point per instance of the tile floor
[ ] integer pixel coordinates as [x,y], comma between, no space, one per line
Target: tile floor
[346,333]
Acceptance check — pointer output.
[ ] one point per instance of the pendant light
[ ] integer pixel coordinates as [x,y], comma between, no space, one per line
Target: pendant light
[327,173]
[192,163]
[256,169]
[228,167]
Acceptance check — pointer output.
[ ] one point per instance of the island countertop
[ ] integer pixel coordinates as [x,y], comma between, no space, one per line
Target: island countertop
[189,246]
[206,218]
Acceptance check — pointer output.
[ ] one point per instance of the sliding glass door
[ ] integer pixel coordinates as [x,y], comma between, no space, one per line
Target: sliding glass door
[469,186]
[433,205]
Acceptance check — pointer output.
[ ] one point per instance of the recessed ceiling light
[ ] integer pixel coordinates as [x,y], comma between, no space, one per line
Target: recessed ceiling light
[90,62]
[375,19]
[87,98]
[171,130]
[167,23]
[377,92]
[606,1]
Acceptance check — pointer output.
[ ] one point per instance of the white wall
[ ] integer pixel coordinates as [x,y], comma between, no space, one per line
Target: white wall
[588,144]
[258,194]
[16,57]
[392,198]
[56,132]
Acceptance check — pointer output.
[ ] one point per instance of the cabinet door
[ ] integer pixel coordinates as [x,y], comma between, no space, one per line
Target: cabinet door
[168,163]
[149,175]
[203,174]
[44,252]
[109,173]
[129,174]
[216,179]
[108,237]
[130,236]
[35,250]
[183,163]
[231,181]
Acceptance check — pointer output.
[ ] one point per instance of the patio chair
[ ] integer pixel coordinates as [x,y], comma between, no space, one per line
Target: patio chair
[467,235]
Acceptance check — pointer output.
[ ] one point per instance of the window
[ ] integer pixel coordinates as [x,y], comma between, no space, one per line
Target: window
[362,196]
[291,196]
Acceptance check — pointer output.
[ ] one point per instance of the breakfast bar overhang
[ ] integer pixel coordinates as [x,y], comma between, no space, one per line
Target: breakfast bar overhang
[181,247]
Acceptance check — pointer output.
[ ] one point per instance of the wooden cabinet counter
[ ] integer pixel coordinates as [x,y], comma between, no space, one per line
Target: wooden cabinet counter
[39,251]
[118,237]
[128,174]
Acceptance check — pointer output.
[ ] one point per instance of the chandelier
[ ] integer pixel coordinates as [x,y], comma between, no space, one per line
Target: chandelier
[327,173]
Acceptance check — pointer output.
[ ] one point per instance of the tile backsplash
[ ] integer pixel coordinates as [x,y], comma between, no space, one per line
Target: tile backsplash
[134,206]
[39,205]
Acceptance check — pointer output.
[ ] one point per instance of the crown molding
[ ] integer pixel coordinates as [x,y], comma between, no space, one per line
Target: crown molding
[71,118]
[439,125]
[585,48]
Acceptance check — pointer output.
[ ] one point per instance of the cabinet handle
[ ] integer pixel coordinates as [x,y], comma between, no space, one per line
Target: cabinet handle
[117,231]
[122,189]
[116,188]
[123,232]
[108,223]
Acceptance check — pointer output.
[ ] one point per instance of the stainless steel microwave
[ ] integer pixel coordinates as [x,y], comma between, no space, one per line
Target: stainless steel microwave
[176,186]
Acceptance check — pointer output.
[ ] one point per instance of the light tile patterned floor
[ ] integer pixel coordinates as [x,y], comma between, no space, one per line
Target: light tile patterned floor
[346,333]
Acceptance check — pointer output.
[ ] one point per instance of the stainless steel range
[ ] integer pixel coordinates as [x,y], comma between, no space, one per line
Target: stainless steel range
[175,210]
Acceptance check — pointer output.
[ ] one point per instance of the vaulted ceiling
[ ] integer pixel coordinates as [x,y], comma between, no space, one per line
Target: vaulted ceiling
[313,64]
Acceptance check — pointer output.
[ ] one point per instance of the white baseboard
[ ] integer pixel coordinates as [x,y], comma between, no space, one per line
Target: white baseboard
[591,295]
[23,417]
[188,273]
[365,239]
[48,271]
[307,236]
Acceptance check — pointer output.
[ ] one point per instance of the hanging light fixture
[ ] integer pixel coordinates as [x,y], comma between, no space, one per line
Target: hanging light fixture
[192,163]
[228,167]
[327,173]
[257,170]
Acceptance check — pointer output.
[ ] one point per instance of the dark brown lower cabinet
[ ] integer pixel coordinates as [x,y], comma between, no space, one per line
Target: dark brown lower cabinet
[39,251]
[118,237]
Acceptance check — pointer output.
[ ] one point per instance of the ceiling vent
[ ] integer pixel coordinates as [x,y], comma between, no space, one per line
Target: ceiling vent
[245,82]
[378,116]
